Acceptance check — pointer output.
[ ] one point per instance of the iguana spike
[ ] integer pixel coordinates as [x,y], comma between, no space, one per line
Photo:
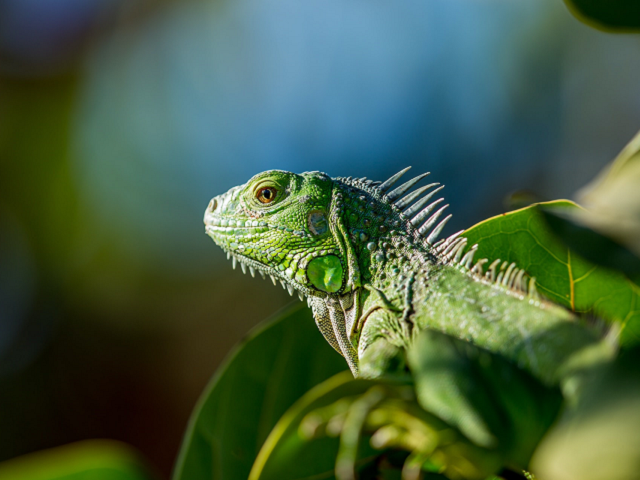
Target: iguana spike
[402,189]
[416,207]
[458,251]
[514,279]
[273,279]
[252,271]
[478,267]
[452,249]
[243,267]
[467,260]
[300,297]
[228,255]
[448,246]
[405,201]
[507,275]
[234,262]
[431,222]
[444,246]
[387,184]
[290,289]
[519,281]
[419,218]
[512,284]
[501,272]
[438,229]
[491,271]
[438,244]
[261,274]
[533,291]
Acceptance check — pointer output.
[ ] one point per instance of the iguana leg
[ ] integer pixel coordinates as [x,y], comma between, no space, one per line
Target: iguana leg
[382,358]
[487,398]
[383,340]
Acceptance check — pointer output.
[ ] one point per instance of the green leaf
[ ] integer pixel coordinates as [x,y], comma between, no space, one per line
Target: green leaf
[267,373]
[563,277]
[288,455]
[593,246]
[86,460]
[615,15]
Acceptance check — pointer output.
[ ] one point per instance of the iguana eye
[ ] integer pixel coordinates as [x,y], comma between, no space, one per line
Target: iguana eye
[266,194]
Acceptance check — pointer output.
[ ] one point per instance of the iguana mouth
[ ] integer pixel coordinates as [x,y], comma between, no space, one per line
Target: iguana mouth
[221,226]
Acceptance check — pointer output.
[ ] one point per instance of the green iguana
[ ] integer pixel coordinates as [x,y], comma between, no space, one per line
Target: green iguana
[366,255]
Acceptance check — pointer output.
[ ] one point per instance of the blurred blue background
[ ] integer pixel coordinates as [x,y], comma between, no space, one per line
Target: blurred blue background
[119,120]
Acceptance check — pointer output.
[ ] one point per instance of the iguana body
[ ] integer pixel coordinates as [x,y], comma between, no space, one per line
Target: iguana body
[366,257]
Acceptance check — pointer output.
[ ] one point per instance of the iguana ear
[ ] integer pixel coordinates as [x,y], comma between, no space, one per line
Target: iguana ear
[341,236]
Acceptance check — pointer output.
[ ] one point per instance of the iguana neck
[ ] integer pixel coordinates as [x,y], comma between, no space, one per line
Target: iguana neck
[377,252]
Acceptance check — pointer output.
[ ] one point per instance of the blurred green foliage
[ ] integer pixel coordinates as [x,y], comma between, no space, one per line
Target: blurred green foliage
[615,15]
[87,460]
[598,439]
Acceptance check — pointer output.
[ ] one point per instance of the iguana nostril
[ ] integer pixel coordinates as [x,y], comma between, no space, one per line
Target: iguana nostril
[213,204]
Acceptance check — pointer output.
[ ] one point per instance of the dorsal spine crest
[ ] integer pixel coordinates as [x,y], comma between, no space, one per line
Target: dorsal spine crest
[415,212]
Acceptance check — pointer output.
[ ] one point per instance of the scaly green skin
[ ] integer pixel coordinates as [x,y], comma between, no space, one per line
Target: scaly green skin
[355,249]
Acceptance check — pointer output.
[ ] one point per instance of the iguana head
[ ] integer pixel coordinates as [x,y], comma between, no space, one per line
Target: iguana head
[278,223]
[319,236]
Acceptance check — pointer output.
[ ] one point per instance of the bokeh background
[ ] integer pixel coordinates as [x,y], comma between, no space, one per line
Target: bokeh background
[120,119]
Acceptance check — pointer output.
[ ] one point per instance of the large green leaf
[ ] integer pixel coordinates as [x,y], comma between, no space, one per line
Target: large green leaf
[523,237]
[616,15]
[86,460]
[268,372]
